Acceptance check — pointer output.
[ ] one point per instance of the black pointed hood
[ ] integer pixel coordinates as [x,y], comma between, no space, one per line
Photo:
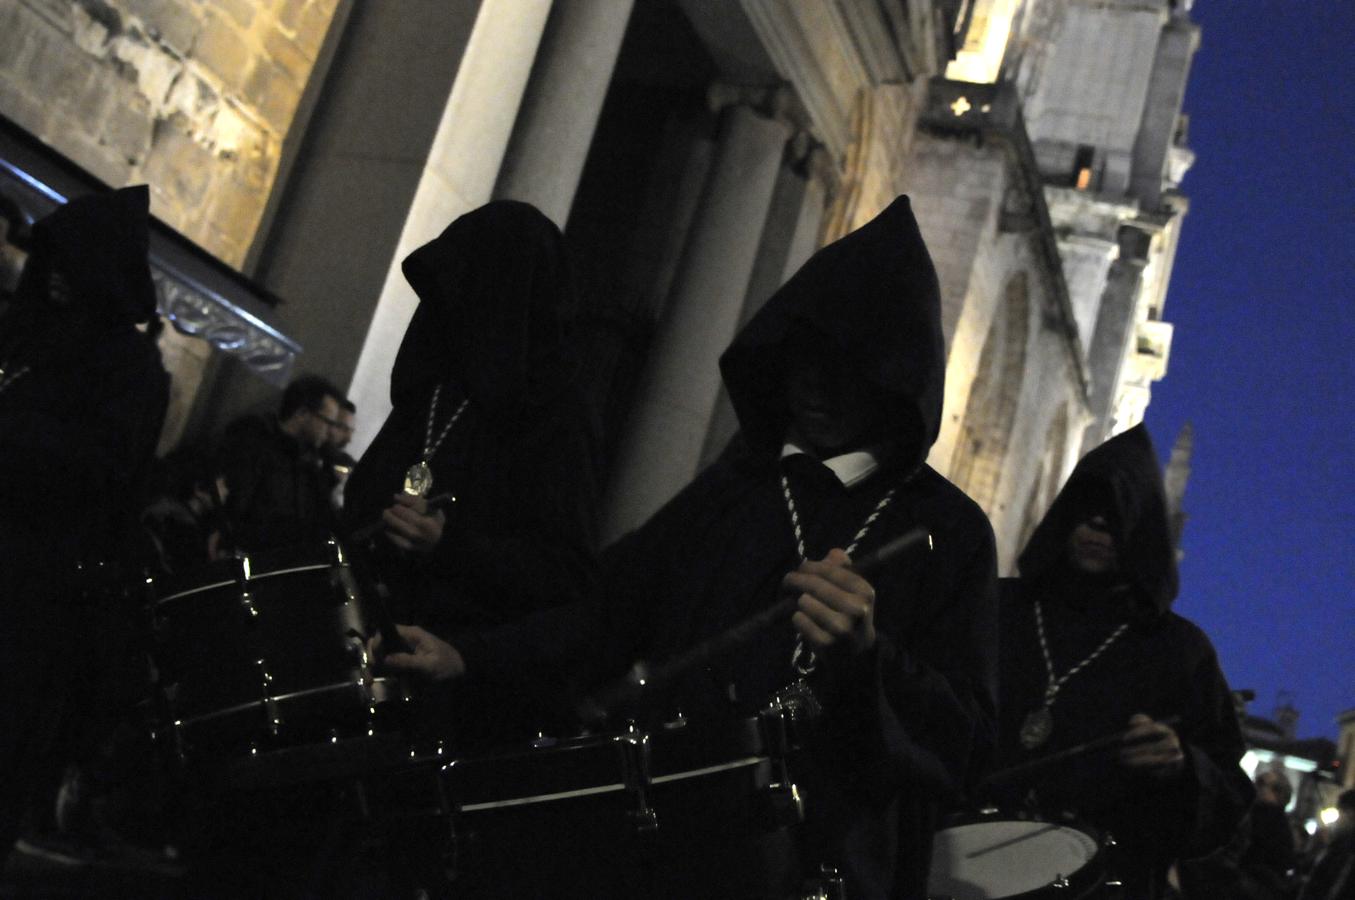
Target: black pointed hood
[495,301]
[873,293]
[99,242]
[1121,478]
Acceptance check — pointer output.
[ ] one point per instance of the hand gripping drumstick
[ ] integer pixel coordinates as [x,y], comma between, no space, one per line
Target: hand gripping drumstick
[1095,745]
[629,688]
[366,532]
[374,588]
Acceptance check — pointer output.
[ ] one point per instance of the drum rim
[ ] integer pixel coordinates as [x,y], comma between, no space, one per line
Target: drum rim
[356,686]
[242,583]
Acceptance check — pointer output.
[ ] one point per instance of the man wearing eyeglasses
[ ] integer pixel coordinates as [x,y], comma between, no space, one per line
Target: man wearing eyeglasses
[278,483]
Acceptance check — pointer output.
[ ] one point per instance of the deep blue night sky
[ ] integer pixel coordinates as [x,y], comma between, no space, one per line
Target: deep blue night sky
[1261,362]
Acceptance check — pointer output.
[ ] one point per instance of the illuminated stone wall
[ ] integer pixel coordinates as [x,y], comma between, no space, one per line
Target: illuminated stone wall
[194,97]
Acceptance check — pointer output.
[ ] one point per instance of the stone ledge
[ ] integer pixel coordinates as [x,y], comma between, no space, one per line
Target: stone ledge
[198,294]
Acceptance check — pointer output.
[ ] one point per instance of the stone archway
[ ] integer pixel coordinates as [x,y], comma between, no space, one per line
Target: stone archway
[990,412]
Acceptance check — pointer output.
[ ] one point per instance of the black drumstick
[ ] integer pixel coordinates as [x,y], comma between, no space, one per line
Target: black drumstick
[1095,745]
[629,688]
[366,532]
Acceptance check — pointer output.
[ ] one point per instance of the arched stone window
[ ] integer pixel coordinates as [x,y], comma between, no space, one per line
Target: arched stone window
[991,409]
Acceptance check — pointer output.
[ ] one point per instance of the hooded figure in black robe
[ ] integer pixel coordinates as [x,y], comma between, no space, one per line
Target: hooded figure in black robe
[83,400]
[904,720]
[1175,791]
[493,330]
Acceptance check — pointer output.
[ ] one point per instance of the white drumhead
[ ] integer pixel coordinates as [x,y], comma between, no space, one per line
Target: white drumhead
[1005,858]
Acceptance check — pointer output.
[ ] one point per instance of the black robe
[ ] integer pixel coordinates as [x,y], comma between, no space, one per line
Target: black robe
[1163,666]
[493,325]
[77,435]
[907,722]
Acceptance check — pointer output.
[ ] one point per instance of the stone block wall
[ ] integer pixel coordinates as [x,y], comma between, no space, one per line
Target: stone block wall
[958,187]
[194,97]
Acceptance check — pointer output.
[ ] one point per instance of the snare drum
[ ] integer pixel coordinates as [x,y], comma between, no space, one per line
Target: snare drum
[266,652]
[1030,859]
[552,819]
[684,810]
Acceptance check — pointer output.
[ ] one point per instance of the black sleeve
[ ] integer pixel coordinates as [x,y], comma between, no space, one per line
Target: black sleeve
[596,637]
[920,708]
[546,555]
[57,456]
[1216,792]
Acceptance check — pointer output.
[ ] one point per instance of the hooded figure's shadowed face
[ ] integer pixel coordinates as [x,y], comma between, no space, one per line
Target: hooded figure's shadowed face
[833,409]
[1110,519]
[866,311]
[1091,547]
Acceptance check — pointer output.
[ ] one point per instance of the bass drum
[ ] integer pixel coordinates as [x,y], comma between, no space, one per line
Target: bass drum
[1017,858]
[264,653]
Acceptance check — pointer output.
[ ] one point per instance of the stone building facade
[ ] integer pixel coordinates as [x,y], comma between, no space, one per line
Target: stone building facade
[695,152]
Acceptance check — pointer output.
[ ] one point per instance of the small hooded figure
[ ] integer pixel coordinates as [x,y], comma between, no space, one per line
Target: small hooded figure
[1090,647]
[82,399]
[837,383]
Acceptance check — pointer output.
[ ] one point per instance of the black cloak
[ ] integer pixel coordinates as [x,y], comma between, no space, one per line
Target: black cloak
[77,435]
[495,302]
[1163,666]
[905,723]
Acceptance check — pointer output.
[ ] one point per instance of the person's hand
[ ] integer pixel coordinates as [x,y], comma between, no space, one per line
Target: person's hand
[430,656]
[410,526]
[1151,748]
[837,606]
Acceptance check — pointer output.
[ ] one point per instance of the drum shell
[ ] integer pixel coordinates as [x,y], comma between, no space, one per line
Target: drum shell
[677,812]
[265,653]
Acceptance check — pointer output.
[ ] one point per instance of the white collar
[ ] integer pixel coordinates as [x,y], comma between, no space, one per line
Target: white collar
[850,468]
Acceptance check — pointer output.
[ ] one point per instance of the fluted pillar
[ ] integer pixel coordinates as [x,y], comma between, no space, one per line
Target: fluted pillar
[560,110]
[661,449]
[1112,334]
[789,237]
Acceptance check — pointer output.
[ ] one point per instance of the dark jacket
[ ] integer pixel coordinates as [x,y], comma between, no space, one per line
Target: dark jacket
[907,722]
[493,325]
[1163,666]
[277,488]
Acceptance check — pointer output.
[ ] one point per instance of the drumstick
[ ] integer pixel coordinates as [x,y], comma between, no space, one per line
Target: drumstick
[629,688]
[365,533]
[1105,742]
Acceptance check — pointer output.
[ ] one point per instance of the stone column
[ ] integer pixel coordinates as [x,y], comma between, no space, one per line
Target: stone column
[805,238]
[789,237]
[458,176]
[1114,328]
[560,109]
[661,449]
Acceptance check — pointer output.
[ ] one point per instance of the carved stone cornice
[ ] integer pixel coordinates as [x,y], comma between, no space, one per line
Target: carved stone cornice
[197,294]
[227,327]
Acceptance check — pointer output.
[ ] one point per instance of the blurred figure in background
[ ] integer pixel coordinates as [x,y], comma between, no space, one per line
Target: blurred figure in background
[275,471]
[1333,877]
